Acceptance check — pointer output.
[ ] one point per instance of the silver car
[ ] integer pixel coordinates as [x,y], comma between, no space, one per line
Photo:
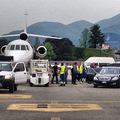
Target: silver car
[108,76]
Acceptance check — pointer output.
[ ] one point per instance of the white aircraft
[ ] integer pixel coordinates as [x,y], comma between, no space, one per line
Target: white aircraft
[21,49]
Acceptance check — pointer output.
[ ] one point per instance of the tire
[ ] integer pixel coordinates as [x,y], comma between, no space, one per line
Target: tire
[95,86]
[118,84]
[11,88]
[15,87]
[31,84]
[47,85]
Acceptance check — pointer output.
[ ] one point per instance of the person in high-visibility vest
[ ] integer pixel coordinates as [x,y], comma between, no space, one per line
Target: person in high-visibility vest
[62,74]
[83,70]
[79,73]
[66,73]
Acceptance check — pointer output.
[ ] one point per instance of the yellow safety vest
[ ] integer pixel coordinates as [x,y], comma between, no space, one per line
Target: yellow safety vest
[81,69]
[62,71]
[78,69]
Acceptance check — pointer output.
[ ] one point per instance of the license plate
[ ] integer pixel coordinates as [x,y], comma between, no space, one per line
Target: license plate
[103,81]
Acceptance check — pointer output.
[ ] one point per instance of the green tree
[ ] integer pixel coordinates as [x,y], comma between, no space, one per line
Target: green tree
[83,41]
[96,36]
[50,53]
[61,47]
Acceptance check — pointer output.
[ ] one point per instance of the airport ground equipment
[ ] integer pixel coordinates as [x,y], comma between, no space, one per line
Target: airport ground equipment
[39,72]
[11,74]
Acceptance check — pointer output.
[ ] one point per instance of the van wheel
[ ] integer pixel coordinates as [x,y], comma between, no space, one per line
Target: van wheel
[11,88]
[31,84]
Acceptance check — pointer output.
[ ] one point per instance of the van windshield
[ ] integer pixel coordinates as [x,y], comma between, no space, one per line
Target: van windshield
[87,63]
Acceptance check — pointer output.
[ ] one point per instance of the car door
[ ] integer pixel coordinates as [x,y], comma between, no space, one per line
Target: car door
[20,73]
[90,74]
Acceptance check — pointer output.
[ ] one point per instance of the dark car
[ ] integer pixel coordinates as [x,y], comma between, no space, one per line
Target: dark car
[114,65]
[108,76]
[90,73]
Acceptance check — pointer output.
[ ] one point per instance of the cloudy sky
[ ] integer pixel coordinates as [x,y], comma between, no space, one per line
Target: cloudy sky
[63,11]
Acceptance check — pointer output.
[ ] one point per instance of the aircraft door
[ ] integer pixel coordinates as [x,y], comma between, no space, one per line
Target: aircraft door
[20,73]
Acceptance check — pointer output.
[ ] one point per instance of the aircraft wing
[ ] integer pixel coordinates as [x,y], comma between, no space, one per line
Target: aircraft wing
[44,36]
[10,35]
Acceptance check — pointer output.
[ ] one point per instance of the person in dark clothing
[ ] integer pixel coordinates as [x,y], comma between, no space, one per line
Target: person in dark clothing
[55,73]
[74,73]
[35,55]
[93,65]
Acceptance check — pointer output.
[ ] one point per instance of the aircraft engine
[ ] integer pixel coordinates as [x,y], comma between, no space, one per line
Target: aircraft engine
[42,51]
[3,49]
[23,36]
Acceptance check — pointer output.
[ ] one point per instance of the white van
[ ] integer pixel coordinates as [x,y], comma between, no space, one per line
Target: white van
[99,61]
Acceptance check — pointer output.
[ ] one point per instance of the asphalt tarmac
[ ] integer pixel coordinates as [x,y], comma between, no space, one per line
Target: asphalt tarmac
[72,102]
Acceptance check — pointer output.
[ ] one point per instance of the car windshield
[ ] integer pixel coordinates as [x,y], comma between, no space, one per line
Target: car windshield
[109,71]
[5,67]
[97,69]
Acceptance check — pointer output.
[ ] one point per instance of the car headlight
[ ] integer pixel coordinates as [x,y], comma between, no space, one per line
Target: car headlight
[95,78]
[115,78]
[8,76]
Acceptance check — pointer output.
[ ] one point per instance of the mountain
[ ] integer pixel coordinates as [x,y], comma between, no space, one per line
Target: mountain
[110,27]
[71,31]
[109,22]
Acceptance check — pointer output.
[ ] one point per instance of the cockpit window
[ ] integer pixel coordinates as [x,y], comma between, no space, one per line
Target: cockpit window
[8,47]
[27,47]
[12,47]
[23,47]
[17,47]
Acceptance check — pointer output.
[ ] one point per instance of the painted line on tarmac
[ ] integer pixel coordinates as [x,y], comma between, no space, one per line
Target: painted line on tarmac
[14,96]
[54,107]
[55,118]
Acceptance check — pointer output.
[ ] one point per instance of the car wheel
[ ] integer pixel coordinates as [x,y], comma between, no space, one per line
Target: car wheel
[11,88]
[95,86]
[118,84]
[15,87]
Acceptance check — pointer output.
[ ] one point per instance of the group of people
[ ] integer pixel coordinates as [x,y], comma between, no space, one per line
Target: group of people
[62,71]
[78,72]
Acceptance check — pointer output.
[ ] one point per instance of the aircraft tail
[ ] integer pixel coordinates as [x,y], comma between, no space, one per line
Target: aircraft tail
[25,29]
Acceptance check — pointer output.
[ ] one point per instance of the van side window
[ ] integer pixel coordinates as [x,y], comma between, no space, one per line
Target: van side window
[20,67]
